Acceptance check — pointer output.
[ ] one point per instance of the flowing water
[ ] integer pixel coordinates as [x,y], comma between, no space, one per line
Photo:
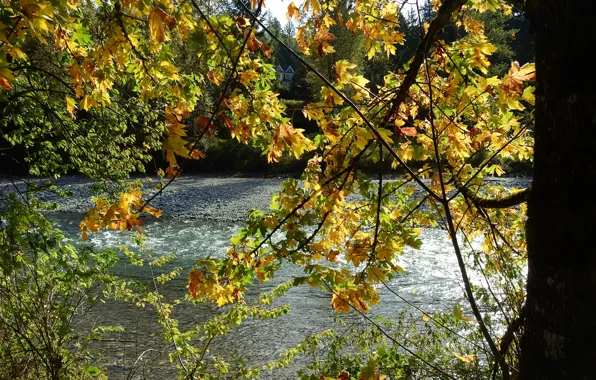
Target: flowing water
[431,281]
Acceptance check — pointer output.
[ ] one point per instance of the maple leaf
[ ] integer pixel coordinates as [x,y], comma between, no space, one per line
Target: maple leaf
[314,4]
[293,12]
[157,18]
[385,135]
[70,106]
[87,102]
[330,97]
[226,122]
[341,71]
[174,145]
[195,278]
[252,43]
[177,129]
[339,304]
[215,77]
[266,49]
[409,131]
[325,48]
[173,171]
[5,83]
[247,77]
[287,133]
[404,131]
[196,154]
[512,84]
[153,211]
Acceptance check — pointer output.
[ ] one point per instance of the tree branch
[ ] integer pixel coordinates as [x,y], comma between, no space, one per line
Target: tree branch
[434,30]
[487,203]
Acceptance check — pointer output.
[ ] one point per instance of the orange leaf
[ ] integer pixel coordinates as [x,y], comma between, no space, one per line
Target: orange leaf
[266,49]
[173,171]
[196,154]
[409,131]
[170,22]
[4,83]
[436,179]
[226,122]
[293,11]
[513,83]
[194,280]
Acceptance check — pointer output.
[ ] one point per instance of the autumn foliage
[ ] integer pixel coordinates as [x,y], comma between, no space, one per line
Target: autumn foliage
[440,120]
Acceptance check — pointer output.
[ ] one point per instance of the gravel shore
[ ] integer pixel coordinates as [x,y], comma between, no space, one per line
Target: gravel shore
[196,196]
[191,196]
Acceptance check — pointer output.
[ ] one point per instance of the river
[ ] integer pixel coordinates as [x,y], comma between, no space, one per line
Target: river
[431,281]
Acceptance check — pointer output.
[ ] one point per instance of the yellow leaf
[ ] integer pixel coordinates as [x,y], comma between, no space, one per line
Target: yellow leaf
[386,135]
[330,97]
[88,102]
[314,4]
[359,81]
[7,74]
[326,48]
[222,300]
[70,106]
[376,274]
[485,47]
[328,21]
[261,276]
[339,304]
[341,71]
[157,17]
[528,95]
[175,145]
[465,358]
[458,313]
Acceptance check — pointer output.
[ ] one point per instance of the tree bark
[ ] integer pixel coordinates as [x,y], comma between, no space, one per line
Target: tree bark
[559,340]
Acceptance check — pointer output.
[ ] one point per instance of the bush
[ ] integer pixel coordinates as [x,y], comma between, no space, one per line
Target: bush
[45,284]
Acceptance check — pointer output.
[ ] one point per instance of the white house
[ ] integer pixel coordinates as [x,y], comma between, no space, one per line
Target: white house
[285,76]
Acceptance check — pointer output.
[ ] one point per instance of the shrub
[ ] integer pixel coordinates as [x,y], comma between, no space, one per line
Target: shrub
[45,284]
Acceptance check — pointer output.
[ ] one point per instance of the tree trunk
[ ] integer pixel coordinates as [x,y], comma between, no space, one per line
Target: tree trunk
[559,339]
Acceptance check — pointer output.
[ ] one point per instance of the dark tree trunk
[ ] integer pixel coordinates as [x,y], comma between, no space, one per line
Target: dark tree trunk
[559,339]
